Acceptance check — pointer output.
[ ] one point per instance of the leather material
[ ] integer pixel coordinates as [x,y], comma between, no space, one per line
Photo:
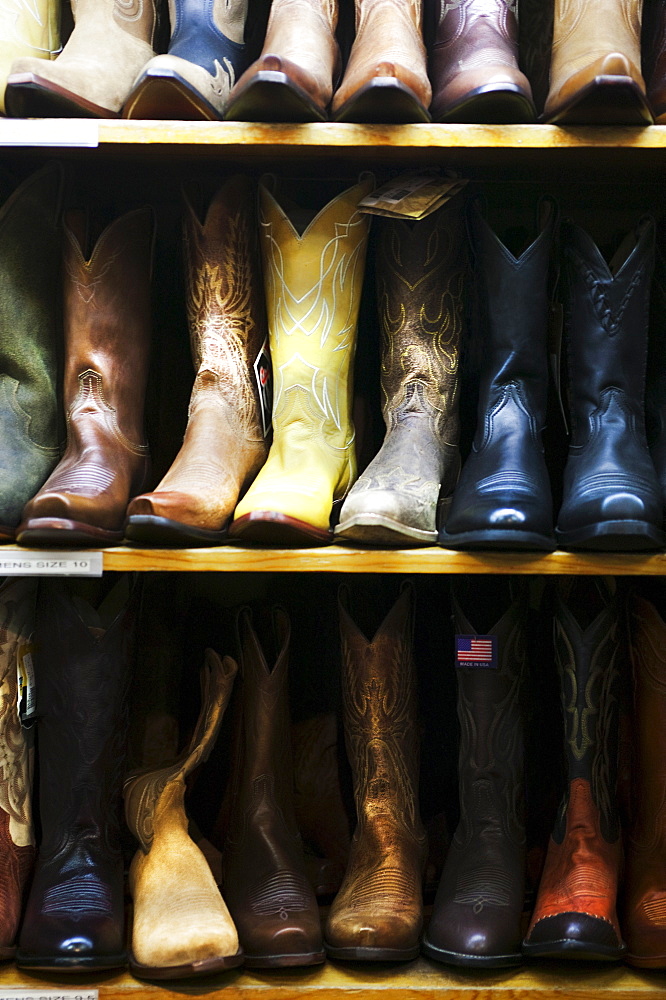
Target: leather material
[181,925]
[27,31]
[503,497]
[111,42]
[388,48]
[575,913]
[30,333]
[473,64]
[378,912]
[17,836]
[313,280]
[74,918]
[264,879]
[653,50]
[207,53]
[476,917]
[107,343]
[655,385]
[224,445]
[611,497]
[596,48]
[420,276]
[293,78]
[644,881]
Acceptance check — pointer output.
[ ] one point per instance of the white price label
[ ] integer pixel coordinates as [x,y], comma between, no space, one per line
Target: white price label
[49,132]
[24,562]
[19,994]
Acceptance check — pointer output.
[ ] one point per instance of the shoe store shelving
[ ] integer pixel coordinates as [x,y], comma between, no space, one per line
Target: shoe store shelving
[493,152]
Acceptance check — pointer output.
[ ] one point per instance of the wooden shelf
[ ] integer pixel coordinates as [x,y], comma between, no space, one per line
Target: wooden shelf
[420,980]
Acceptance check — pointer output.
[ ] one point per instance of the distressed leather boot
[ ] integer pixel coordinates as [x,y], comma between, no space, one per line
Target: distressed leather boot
[643,917]
[313,272]
[225,443]
[503,497]
[611,496]
[107,342]
[476,917]
[378,912]
[654,56]
[17,836]
[27,31]
[595,70]
[206,55]
[181,925]
[111,42]
[293,78]
[420,275]
[474,64]
[30,336]
[264,880]
[575,913]
[74,919]
[386,77]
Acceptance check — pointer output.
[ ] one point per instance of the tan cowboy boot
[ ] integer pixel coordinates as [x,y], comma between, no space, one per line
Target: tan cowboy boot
[27,30]
[378,913]
[181,923]
[107,341]
[112,40]
[313,277]
[595,70]
[224,444]
[17,838]
[386,78]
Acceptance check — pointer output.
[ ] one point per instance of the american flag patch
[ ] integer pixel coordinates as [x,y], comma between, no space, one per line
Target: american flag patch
[476,651]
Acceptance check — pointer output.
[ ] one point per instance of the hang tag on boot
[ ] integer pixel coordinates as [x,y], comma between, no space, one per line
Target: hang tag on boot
[478,651]
[263,373]
[25,684]
[412,195]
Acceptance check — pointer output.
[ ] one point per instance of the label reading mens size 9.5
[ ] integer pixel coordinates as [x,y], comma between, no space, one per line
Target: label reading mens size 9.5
[27,562]
[476,651]
[19,994]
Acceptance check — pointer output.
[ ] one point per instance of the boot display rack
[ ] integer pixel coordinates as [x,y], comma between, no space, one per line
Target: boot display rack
[539,153]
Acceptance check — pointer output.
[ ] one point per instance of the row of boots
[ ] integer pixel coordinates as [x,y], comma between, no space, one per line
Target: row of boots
[219,64]
[69,680]
[273,304]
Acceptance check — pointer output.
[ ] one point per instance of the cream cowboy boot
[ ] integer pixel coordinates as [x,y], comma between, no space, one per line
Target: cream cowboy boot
[27,30]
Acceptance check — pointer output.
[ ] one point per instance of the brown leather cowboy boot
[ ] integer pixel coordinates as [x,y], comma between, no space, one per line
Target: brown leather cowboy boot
[476,917]
[264,880]
[386,78]
[378,912]
[420,275]
[595,70]
[181,925]
[107,340]
[293,78]
[575,913]
[225,443]
[17,838]
[644,884]
[474,64]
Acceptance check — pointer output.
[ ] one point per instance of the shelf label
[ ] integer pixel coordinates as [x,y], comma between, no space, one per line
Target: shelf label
[23,562]
[49,132]
[19,994]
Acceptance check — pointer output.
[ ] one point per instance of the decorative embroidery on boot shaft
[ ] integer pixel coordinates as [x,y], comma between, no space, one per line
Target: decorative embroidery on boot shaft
[14,767]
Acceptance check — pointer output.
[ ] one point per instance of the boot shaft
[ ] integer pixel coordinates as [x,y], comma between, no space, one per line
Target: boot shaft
[486,27]
[138,19]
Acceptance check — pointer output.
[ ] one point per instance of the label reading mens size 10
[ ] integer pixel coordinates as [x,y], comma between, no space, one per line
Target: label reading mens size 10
[19,994]
[27,562]
[476,651]
[263,373]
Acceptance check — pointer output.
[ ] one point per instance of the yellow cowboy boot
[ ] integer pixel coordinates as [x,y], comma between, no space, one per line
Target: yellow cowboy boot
[29,30]
[313,273]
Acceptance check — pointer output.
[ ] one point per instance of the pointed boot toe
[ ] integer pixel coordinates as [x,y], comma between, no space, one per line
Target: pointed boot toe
[173,88]
[609,91]
[277,89]
[170,519]
[579,936]
[378,936]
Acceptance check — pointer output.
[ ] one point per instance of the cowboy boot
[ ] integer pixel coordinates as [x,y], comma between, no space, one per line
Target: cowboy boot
[27,31]
[503,497]
[181,924]
[611,496]
[30,334]
[313,278]
[644,881]
[225,442]
[595,69]
[575,913]
[264,880]
[17,838]
[476,917]
[378,912]
[74,919]
[655,384]
[107,341]
[386,78]
[420,276]
[293,78]
[474,64]
[207,53]
[110,43]
[654,57]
